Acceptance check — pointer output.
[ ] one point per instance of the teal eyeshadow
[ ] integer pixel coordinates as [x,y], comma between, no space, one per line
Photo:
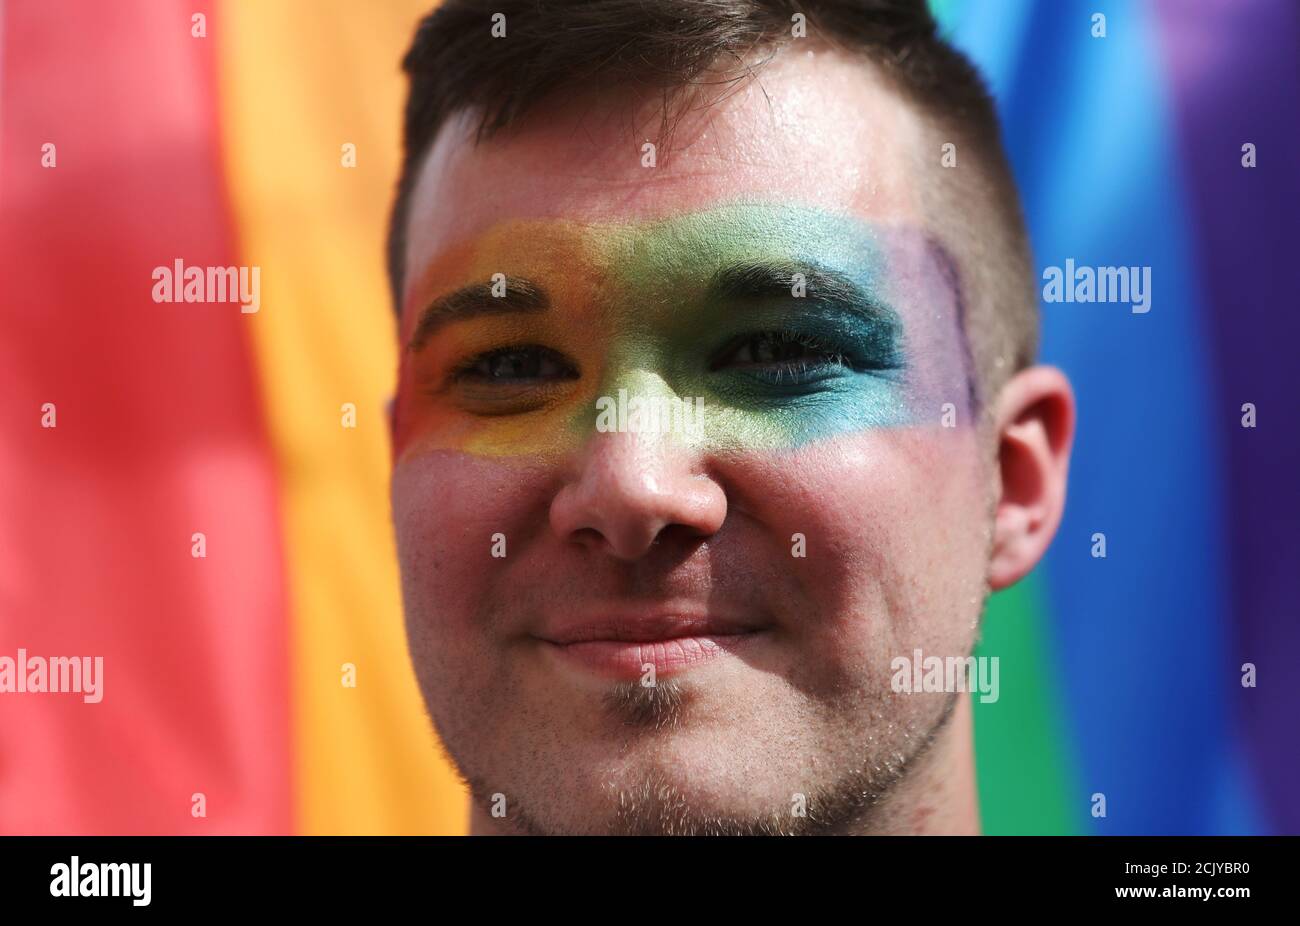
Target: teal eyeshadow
[671,326]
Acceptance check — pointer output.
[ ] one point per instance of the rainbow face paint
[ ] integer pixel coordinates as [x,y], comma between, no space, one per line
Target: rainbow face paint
[779,325]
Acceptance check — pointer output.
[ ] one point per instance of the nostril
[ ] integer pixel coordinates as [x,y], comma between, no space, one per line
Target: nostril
[680,534]
[587,536]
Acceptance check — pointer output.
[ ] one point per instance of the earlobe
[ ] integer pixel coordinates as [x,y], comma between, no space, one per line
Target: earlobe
[1035,430]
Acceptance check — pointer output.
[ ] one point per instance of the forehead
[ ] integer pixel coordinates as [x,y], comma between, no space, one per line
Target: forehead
[816,128]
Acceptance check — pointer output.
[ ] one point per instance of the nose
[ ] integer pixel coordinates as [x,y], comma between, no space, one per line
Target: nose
[629,491]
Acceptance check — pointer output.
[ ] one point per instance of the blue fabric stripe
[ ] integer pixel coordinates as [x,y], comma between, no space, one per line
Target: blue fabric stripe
[1140,641]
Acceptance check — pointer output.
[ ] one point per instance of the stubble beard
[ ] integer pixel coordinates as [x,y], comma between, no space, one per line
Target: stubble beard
[653,804]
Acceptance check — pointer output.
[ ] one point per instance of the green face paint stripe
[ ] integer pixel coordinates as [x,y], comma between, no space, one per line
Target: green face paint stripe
[660,271]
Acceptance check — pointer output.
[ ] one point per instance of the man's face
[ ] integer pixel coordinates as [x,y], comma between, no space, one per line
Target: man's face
[670,500]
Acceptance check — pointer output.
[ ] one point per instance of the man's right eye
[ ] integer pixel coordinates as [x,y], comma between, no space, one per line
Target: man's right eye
[515,366]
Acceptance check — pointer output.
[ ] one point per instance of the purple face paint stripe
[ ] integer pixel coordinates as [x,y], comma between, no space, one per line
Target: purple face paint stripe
[951,274]
[1232,73]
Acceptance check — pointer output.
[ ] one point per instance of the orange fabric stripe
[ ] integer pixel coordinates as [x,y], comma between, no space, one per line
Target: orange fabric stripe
[299,80]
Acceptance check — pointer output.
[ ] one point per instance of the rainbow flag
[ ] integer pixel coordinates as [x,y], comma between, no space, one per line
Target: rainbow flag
[136,434]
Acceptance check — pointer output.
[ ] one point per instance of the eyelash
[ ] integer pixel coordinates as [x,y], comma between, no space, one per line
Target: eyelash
[465,370]
[789,371]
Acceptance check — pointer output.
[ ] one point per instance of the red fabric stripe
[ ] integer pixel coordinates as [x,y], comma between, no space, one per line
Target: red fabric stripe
[159,435]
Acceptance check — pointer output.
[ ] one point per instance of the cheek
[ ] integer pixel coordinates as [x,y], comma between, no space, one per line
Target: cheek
[451,512]
[895,528]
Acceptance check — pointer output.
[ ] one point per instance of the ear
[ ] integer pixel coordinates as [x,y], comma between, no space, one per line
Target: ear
[1034,418]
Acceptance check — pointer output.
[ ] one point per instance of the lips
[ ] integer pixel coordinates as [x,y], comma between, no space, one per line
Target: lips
[648,628]
[627,646]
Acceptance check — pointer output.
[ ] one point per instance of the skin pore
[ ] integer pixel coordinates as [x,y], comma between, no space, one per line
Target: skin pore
[822,419]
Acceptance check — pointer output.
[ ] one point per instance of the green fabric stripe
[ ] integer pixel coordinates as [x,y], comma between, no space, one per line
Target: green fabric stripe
[1024,760]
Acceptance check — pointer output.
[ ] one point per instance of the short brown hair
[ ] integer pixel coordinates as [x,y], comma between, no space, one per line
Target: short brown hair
[455,64]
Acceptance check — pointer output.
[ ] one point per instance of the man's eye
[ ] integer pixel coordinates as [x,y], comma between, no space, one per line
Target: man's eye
[513,365]
[783,355]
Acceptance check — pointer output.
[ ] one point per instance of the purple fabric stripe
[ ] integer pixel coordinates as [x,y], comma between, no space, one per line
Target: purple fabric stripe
[1234,79]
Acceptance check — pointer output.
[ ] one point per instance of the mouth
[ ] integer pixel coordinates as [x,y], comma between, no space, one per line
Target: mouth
[647,647]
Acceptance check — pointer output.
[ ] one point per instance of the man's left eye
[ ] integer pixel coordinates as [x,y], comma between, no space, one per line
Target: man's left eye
[782,353]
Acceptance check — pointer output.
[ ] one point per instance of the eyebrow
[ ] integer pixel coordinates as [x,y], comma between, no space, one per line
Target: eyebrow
[758,281]
[475,301]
